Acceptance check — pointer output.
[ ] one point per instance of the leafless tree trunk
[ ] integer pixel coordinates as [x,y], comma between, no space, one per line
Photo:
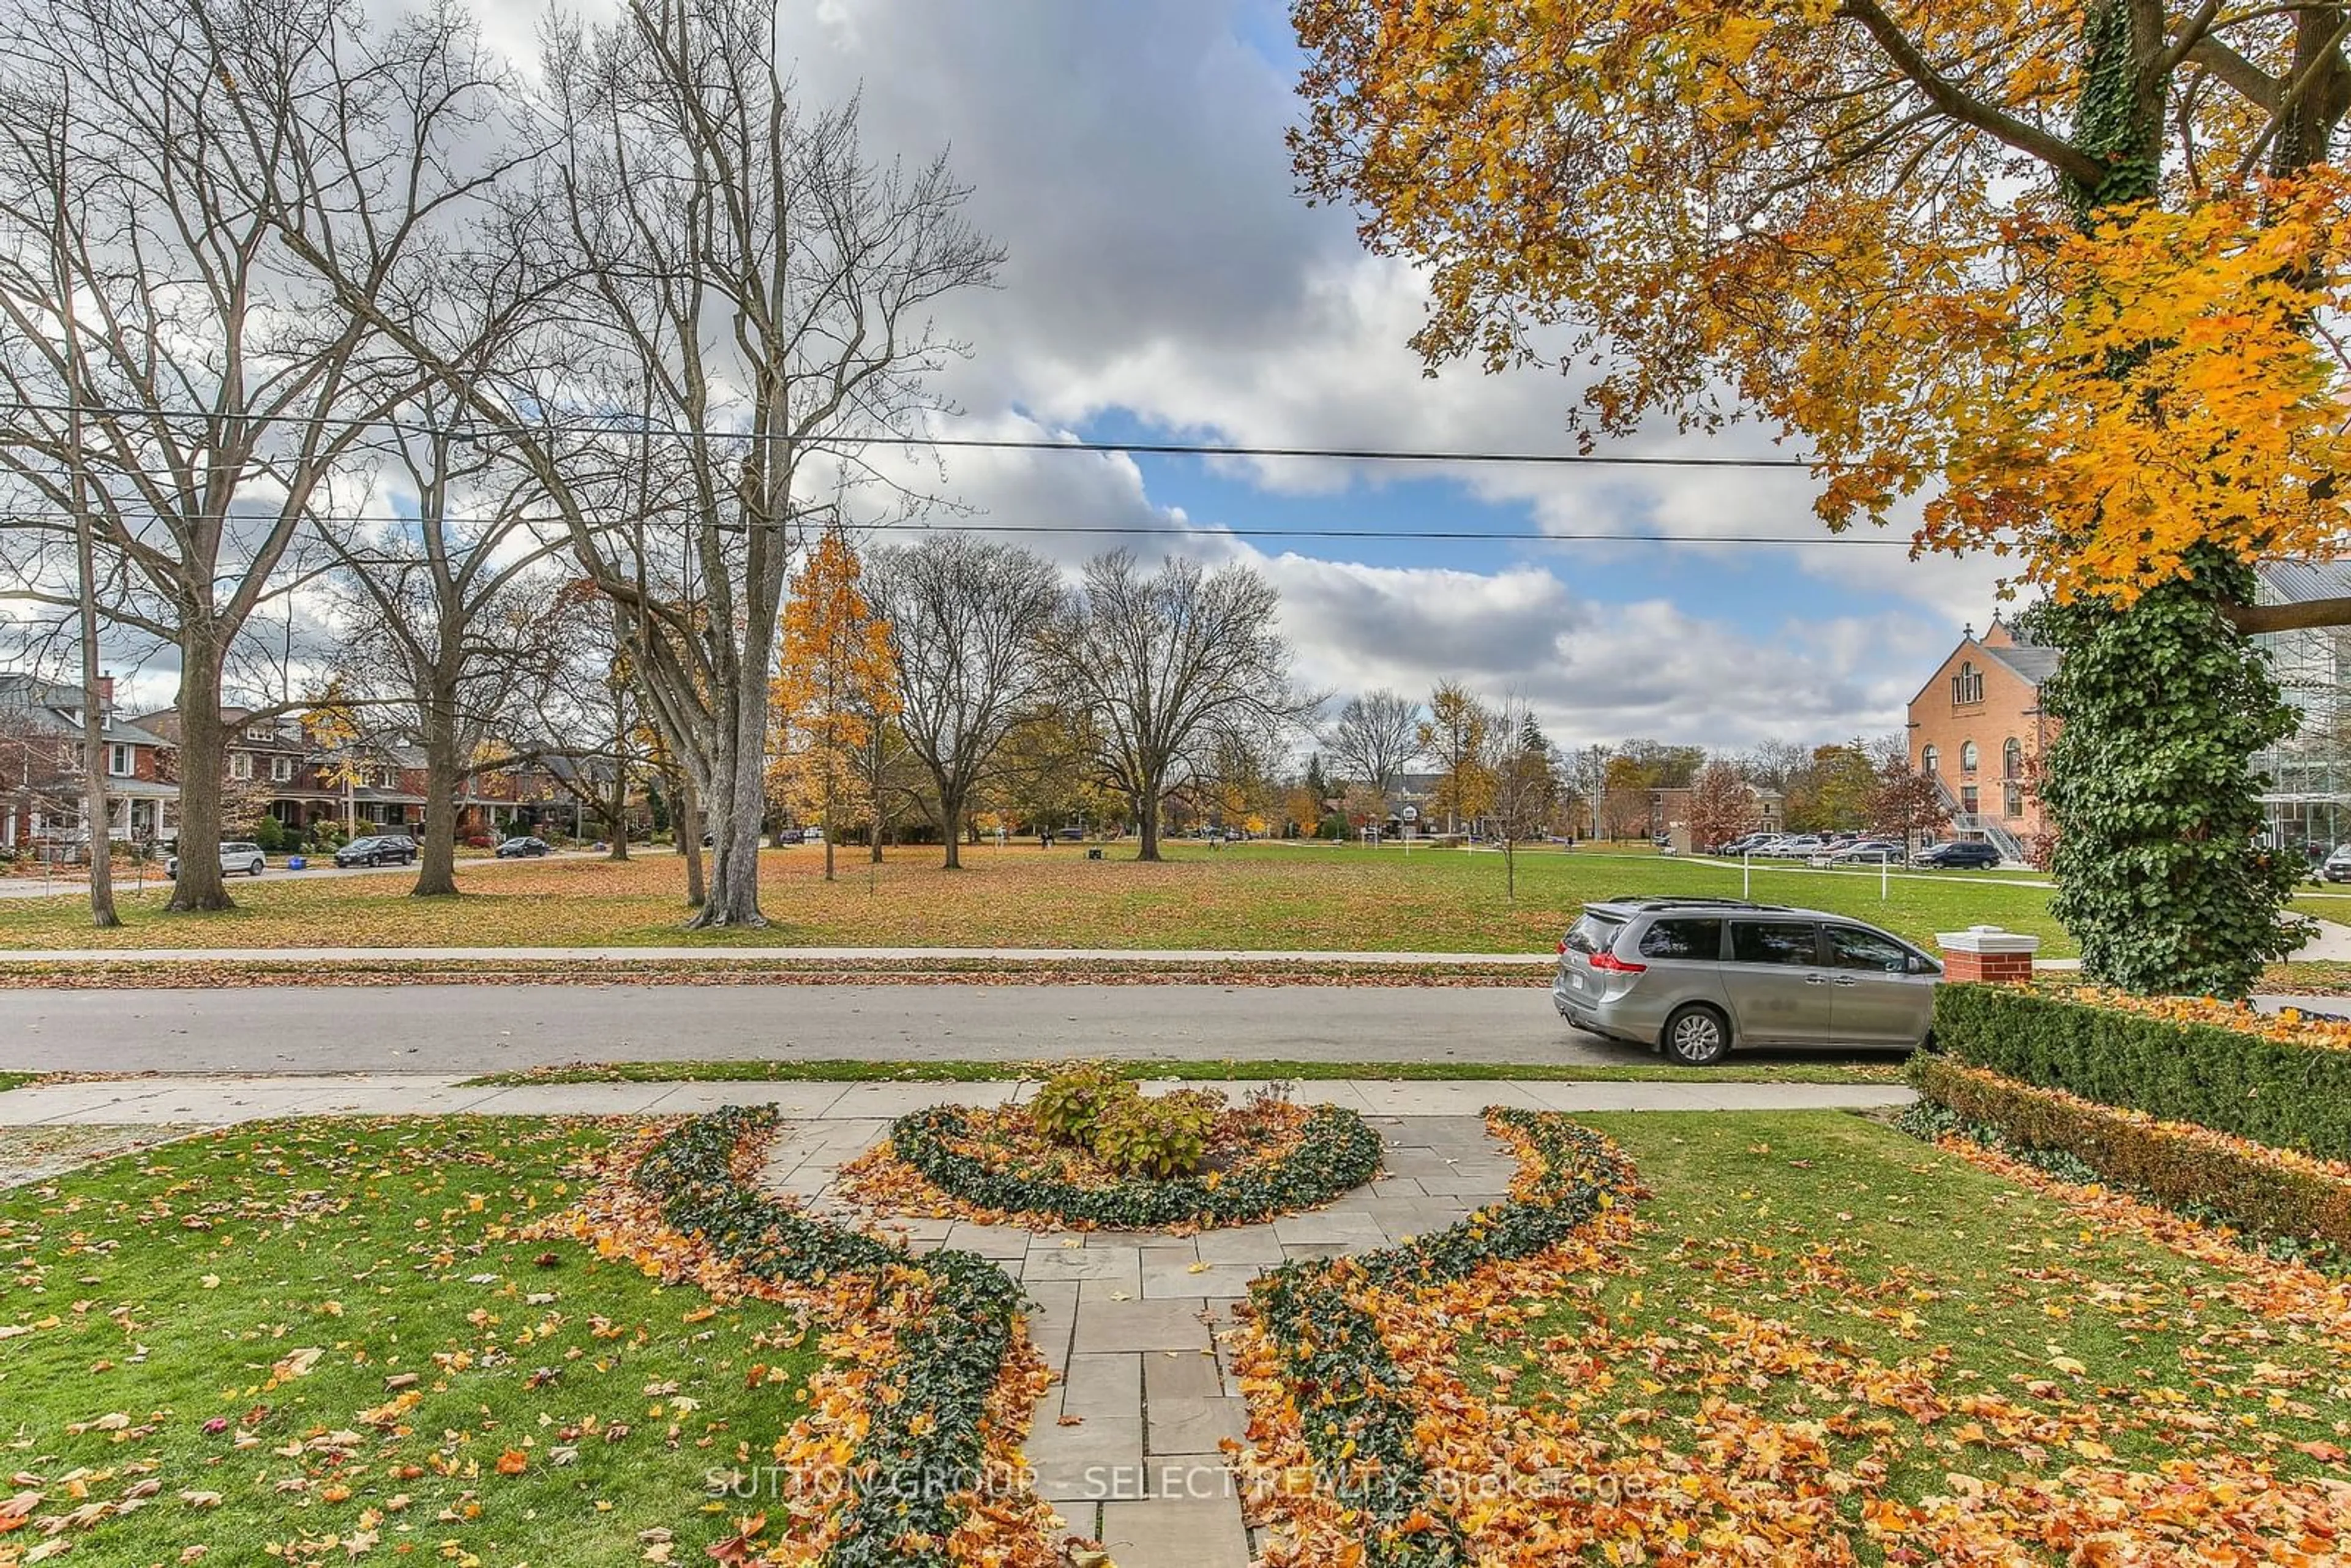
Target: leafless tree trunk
[1376,738]
[772,291]
[1165,665]
[449,619]
[219,389]
[965,621]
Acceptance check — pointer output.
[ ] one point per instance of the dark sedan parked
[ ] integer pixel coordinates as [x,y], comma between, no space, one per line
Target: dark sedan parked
[1970,855]
[384,849]
[515,849]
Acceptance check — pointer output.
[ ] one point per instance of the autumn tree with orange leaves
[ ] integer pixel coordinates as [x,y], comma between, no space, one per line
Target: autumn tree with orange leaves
[838,681]
[2059,273]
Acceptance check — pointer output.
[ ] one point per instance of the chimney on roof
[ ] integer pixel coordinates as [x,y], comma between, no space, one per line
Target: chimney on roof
[106,694]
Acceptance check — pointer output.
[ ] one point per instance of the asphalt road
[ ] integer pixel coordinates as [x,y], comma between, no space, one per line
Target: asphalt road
[486,1029]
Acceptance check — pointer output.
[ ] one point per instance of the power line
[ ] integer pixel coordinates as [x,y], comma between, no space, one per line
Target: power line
[1024,444]
[1141,530]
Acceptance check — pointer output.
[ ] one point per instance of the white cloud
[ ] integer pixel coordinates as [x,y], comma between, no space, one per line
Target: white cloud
[1162,270]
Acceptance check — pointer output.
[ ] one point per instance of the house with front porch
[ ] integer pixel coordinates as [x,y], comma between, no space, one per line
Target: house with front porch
[43,786]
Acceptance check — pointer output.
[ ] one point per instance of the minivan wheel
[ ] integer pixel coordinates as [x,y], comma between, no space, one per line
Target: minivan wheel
[1696,1036]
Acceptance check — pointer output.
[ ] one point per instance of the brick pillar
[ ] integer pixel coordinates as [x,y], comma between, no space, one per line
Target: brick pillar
[1989,954]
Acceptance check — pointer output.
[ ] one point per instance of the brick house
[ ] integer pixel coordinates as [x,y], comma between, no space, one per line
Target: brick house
[41,776]
[1976,728]
[1669,814]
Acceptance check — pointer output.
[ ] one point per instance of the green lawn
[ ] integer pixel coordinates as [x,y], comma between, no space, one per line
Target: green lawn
[15,1080]
[1803,1278]
[321,1339]
[1292,898]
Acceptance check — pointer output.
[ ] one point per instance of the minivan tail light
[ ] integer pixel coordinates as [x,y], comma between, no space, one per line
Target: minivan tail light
[1604,959]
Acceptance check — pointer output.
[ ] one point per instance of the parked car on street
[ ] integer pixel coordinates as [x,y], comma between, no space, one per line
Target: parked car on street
[381,848]
[1698,977]
[1968,855]
[2336,867]
[239,858]
[1800,846]
[517,849]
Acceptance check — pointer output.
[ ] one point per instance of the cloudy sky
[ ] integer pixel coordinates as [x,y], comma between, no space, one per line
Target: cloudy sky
[1163,282]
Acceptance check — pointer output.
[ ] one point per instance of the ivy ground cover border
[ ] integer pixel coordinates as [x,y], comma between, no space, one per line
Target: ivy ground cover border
[925,1445]
[1354,1413]
[1337,1151]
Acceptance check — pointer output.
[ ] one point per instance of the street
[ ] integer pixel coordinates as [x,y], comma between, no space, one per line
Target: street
[490,1029]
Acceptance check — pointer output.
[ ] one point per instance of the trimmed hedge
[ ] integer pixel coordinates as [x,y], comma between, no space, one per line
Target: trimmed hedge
[2288,1096]
[2266,1198]
[947,1365]
[1337,1152]
[1354,1402]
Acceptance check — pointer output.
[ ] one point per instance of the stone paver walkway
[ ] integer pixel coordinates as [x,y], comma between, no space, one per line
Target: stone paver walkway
[1125,1444]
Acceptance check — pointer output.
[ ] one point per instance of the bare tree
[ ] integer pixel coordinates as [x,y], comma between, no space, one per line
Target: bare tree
[772,289]
[452,612]
[965,621]
[1376,738]
[1525,784]
[1165,664]
[197,407]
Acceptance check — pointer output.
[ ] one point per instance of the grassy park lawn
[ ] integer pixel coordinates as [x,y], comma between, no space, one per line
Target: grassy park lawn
[1295,898]
[1818,1326]
[325,1340]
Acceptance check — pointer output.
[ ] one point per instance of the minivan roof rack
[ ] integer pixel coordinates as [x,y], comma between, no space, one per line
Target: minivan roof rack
[1660,901]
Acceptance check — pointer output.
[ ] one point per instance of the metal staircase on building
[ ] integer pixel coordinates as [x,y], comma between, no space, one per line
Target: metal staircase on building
[1979,824]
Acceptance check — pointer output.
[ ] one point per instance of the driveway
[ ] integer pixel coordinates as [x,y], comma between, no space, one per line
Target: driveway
[487,1028]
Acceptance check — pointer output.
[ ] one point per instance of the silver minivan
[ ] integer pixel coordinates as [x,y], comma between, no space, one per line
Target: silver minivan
[1697,977]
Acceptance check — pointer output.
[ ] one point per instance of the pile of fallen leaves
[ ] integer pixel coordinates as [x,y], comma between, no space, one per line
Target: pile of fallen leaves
[1266,1158]
[2287,1026]
[910,1451]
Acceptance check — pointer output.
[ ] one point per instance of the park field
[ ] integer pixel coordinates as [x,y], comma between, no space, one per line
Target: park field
[1292,898]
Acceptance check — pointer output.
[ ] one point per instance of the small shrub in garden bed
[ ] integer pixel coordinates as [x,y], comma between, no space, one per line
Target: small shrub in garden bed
[1159,1138]
[998,1165]
[2284,1082]
[2268,1192]
[1071,1102]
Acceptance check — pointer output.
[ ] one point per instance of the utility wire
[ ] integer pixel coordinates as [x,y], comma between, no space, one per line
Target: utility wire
[1015,443]
[1140,530]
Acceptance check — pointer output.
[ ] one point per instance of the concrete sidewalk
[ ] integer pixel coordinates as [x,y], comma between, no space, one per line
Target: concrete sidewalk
[219,1102]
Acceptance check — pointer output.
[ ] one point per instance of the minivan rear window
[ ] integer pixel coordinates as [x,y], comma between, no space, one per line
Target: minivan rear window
[1683,939]
[1593,934]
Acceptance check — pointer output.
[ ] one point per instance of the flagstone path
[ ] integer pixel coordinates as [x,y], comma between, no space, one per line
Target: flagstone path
[1124,1444]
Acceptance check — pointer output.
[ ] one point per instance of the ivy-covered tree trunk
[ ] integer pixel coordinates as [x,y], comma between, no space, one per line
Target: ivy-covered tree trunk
[2160,873]
[2161,706]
